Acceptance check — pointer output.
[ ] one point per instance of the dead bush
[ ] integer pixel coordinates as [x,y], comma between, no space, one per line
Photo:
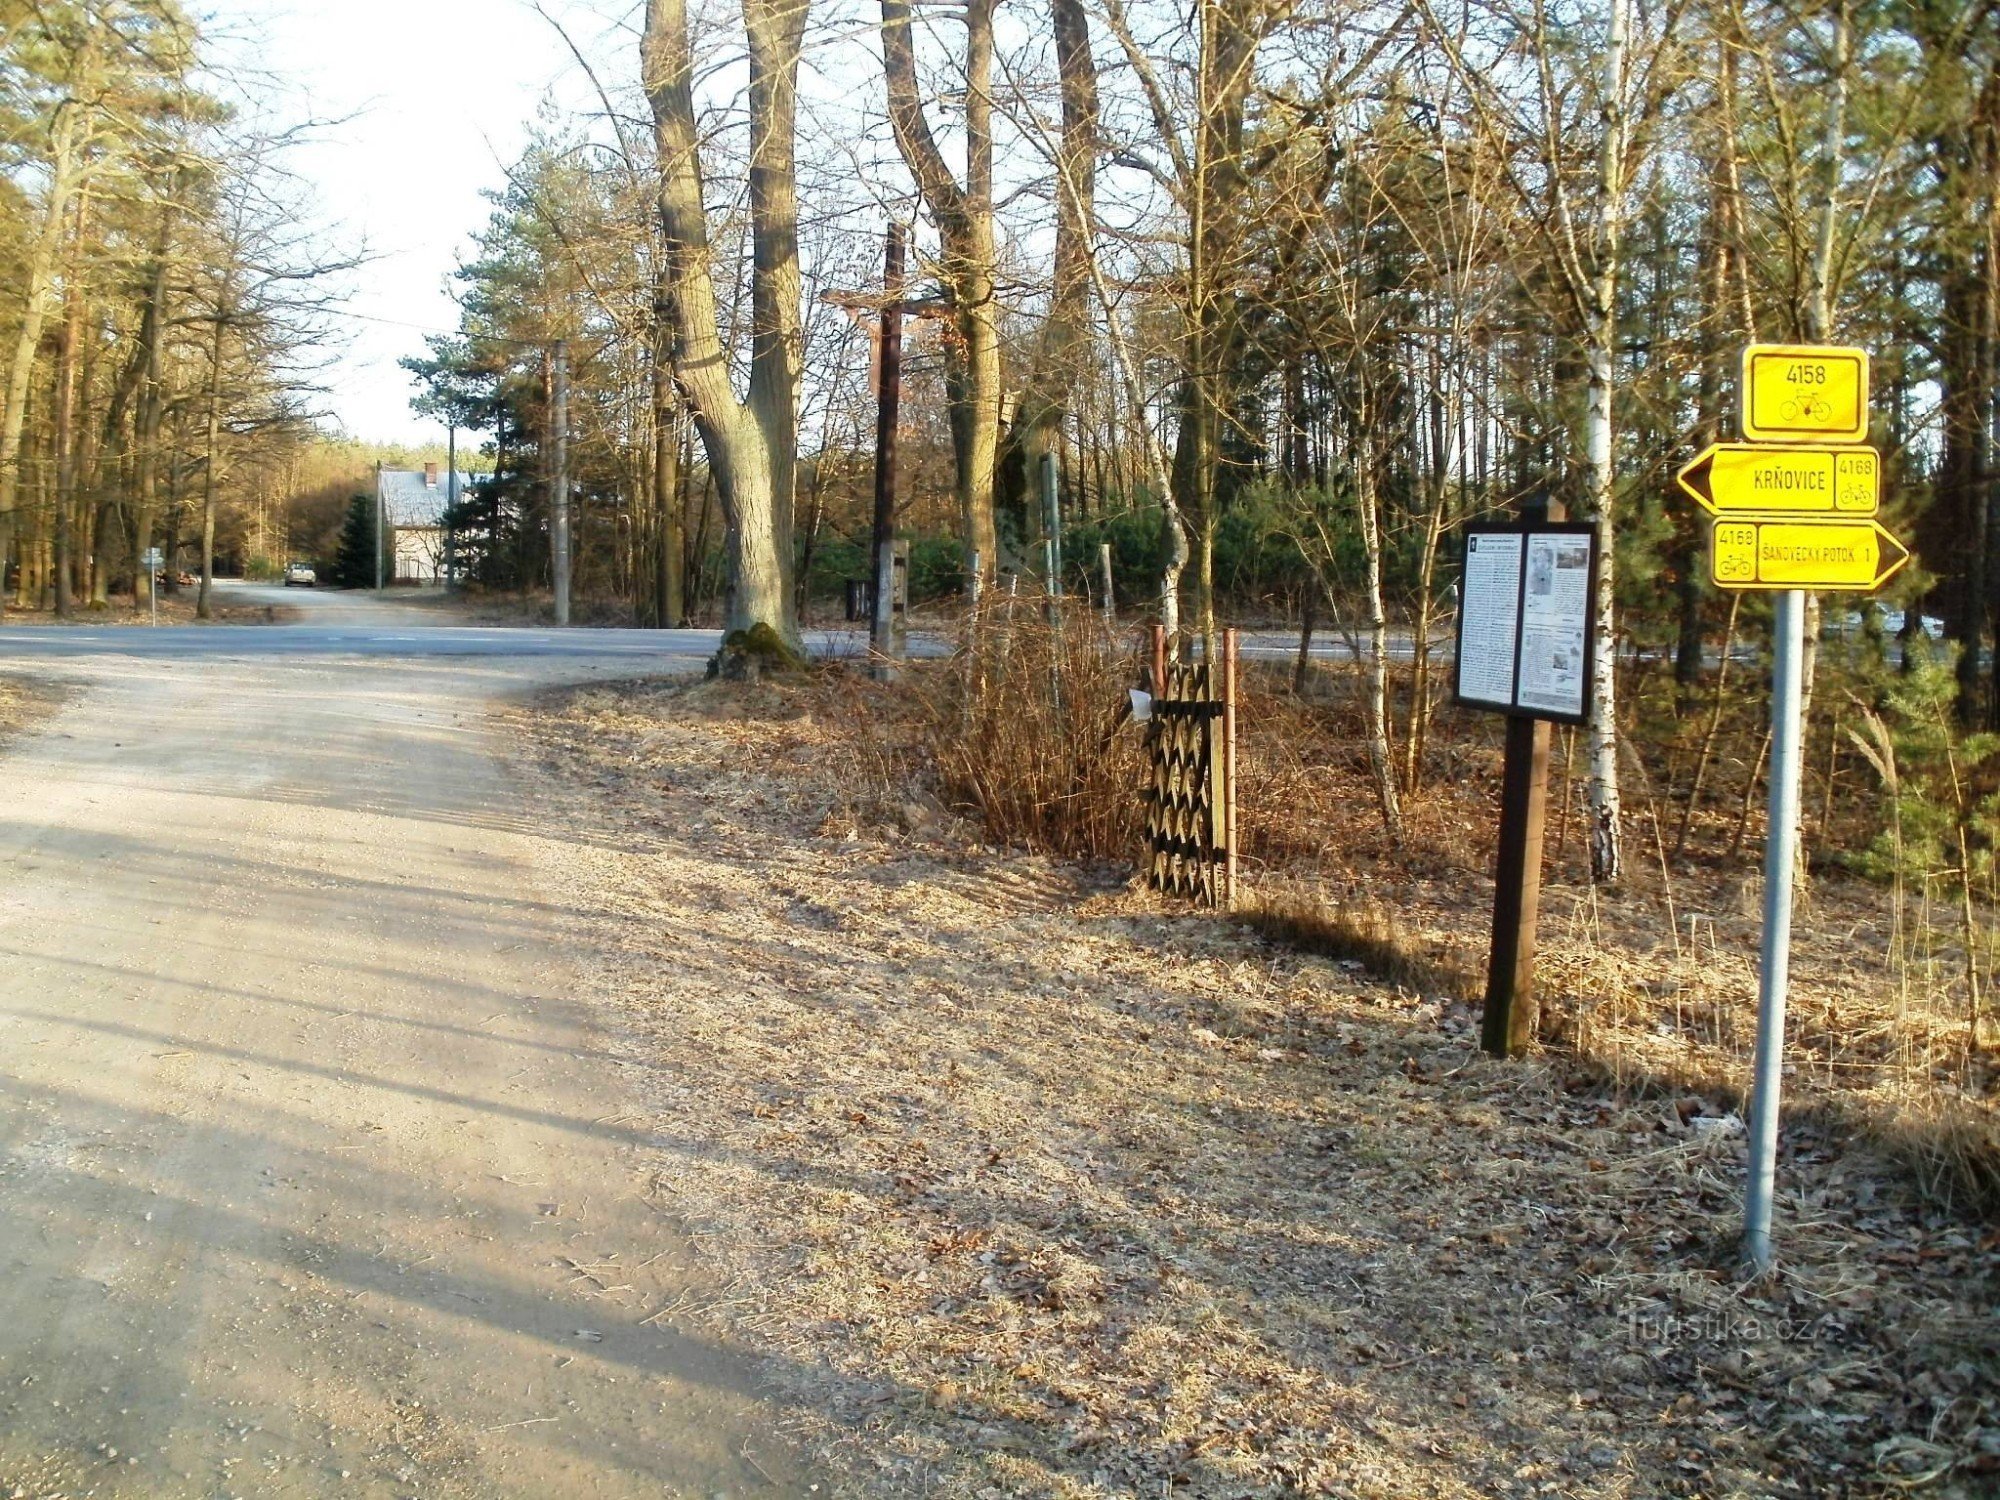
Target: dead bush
[1029,728]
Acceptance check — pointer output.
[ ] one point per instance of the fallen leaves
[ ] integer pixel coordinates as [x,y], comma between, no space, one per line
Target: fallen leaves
[1117,1199]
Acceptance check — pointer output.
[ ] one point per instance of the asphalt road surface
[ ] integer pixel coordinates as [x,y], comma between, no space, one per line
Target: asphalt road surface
[344,624]
[304,1130]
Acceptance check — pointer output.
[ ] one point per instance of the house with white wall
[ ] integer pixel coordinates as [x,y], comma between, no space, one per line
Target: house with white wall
[411,504]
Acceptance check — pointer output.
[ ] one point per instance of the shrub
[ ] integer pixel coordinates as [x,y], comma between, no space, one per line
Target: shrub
[1030,730]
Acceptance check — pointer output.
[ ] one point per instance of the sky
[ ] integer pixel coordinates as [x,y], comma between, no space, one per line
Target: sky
[431,99]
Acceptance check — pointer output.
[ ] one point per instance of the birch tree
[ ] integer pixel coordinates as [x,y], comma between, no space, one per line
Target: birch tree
[1580,223]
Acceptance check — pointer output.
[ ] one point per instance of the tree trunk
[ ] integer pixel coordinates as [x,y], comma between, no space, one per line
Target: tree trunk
[65,437]
[752,445]
[146,430]
[1381,760]
[204,605]
[1065,334]
[40,278]
[1606,830]
[964,218]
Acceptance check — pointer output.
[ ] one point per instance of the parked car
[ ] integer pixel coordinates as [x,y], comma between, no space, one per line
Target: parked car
[301,574]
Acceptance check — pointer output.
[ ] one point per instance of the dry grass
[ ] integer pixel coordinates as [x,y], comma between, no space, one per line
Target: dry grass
[175,609]
[1652,986]
[1029,728]
[1364,935]
[1034,1186]
[25,701]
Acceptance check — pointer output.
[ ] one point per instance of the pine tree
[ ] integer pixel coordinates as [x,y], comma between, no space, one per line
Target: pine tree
[354,568]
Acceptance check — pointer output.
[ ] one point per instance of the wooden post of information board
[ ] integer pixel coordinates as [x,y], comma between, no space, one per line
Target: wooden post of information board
[1229,679]
[1511,1015]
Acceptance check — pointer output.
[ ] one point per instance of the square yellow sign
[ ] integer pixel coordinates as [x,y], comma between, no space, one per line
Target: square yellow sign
[1804,393]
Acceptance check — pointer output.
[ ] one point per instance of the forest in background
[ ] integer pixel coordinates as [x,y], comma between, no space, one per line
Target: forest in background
[1287,290]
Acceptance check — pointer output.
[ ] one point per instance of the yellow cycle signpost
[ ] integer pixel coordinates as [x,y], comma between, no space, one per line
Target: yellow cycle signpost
[1762,553]
[1792,509]
[1727,478]
[1796,393]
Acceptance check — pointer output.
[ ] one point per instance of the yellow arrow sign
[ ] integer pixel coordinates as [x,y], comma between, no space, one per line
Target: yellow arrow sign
[1803,554]
[1745,477]
[1804,393]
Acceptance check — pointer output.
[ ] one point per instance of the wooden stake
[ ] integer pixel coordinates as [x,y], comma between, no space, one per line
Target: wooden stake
[1511,1015]
[1229,640]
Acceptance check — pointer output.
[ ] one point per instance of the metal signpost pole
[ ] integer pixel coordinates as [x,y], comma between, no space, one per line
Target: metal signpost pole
[1781,846]
[1792,508]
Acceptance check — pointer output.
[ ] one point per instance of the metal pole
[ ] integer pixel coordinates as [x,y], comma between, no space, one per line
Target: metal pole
[882,642]
[559,482]
[1781,848]
[381,517]
[153,589]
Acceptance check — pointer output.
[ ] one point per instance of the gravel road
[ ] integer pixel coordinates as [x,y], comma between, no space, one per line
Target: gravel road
[317,1176]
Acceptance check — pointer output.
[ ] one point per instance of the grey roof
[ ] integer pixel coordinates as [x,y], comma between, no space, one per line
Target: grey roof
[410,502]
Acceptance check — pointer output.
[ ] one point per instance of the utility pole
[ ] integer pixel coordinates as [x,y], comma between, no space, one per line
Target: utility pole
[882,642]
[380,509]
[450,498]
[559,482]
[1051,524]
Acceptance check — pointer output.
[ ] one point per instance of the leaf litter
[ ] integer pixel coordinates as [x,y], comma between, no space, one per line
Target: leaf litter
[1033,1185]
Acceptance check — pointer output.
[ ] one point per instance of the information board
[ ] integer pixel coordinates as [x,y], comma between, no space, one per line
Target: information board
[1525,645]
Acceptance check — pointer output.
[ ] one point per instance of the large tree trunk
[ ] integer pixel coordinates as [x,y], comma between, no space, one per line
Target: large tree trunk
[204,606]
[964,217]
[63,179]
[751,445]
[65,440]
[1065,334]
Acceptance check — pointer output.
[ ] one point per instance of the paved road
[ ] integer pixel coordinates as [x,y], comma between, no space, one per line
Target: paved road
[343,624]
[304,1132]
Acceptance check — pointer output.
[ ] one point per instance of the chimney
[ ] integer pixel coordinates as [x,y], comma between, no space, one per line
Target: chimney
[430,476]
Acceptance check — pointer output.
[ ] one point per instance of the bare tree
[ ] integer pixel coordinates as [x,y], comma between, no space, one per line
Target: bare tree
[963,213]
[751,443]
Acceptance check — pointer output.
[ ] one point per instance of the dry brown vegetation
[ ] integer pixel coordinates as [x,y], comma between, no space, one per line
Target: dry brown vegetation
[1033,1185]
[175,609]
